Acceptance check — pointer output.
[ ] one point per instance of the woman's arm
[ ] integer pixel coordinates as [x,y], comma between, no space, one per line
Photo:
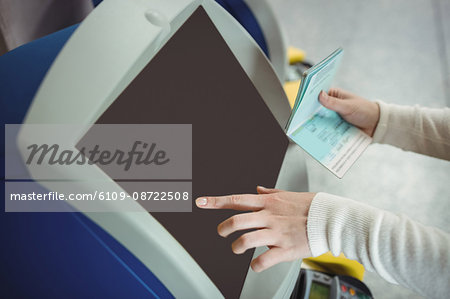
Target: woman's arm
[417,129]
[399,249]
[421,130]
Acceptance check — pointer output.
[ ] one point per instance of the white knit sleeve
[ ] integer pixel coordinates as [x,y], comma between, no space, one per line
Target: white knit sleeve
[398,249]
[413,128]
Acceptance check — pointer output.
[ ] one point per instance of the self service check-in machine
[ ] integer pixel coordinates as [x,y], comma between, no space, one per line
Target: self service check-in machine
[180,62]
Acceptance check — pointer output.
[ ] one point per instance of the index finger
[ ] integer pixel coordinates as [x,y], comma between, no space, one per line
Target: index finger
[240,202]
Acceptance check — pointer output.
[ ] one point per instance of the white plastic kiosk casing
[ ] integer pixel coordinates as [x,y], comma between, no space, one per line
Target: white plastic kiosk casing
[131,32]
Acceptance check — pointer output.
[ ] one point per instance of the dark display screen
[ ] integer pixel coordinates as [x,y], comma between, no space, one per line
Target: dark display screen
[319,291]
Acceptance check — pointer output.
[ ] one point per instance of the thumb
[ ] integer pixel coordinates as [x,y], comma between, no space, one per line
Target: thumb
[264,190]
[340,106]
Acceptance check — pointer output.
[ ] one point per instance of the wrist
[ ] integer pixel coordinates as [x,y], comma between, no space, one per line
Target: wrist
[376,117]
[383,118]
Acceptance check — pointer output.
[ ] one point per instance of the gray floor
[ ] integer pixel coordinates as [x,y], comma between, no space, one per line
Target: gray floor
[398,51]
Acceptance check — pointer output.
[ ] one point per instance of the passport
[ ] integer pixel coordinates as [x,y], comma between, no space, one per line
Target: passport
[323,133]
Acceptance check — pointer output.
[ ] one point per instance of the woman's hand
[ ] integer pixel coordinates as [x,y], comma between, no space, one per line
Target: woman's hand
[278,217]
[354,109]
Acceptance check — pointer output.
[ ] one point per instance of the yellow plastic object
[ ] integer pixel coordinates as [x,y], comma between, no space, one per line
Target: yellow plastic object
[291,89]
[336,265]
[295,55]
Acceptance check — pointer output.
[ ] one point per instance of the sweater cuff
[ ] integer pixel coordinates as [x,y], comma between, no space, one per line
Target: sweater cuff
[338,224]
[316,226]
[382,125]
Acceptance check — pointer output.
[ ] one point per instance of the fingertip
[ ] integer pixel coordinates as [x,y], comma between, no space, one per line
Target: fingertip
[255,267]
[261,189]
[220,231]
[323,97]
[329,102]
[237,247]
[201,202]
